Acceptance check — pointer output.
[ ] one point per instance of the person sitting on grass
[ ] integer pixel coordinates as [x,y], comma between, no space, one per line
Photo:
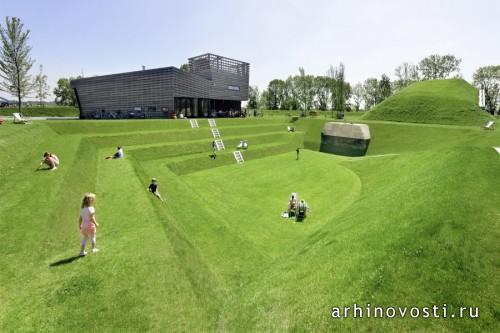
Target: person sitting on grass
[51,160]
[292,203]
[87,223]
[118,154]
[153,188]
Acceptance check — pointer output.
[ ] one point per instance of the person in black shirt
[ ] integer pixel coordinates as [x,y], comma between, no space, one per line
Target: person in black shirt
[153,188]
[298,151]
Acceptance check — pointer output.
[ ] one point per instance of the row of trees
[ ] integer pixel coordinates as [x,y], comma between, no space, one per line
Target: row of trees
[330,92]
[333,92]
[303,91]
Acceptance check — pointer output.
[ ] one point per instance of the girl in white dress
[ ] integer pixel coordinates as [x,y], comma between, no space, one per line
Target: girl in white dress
[87,222]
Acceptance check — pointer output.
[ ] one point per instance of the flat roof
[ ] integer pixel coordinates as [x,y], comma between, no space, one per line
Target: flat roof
[125,73]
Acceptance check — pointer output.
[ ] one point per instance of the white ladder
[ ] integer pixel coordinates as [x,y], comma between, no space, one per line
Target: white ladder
[216,133]
[238,157]
[211,122]
[219,144]
[194,123]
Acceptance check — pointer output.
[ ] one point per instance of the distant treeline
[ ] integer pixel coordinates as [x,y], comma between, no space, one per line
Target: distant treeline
[332,92]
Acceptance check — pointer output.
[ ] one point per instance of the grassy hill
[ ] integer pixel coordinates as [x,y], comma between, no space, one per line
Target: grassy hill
[452,102]
[414,223]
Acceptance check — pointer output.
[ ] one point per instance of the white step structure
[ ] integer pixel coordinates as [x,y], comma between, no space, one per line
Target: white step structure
[216,133]
[211,122]
[238,157]
[194,123]
[219,144]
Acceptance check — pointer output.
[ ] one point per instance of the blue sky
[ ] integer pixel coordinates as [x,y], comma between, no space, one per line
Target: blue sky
[275,37]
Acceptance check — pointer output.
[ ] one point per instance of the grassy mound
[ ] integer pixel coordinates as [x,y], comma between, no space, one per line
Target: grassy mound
[452,102]
[414,223]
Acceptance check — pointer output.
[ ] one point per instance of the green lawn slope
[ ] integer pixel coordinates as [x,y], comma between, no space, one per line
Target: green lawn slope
[43,111]
[413,223]
[453,102]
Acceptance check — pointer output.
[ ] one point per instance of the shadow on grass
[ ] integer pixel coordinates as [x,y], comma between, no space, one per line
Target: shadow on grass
[45,169]
[65,261]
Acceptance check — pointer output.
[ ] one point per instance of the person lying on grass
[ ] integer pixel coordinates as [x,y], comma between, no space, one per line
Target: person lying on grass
[153,188]
[118,154]
[51,160]
[87,223]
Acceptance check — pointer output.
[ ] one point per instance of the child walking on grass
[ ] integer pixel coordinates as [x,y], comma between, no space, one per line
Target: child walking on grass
[87,223]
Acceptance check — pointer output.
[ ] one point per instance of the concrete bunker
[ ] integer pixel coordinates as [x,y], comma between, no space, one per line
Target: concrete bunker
[346,139]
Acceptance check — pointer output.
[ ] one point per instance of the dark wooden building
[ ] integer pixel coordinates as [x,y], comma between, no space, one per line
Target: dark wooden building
[213,86]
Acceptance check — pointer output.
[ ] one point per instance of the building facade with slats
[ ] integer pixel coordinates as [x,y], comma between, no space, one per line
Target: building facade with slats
[213,86]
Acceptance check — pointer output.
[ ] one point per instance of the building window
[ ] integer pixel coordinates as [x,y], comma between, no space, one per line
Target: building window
[235,88]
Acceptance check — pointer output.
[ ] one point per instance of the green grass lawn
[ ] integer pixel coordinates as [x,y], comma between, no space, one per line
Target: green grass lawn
[452,101]
[43,111]
[413,223]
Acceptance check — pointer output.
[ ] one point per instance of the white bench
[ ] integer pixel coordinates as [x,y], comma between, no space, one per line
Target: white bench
[489,125]
[19,119]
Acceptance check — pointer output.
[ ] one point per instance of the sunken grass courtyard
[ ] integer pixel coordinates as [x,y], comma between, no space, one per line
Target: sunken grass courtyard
[415,222]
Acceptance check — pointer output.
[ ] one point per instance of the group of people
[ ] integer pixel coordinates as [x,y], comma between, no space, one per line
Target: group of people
[87,222]
[296,208]
[52,161]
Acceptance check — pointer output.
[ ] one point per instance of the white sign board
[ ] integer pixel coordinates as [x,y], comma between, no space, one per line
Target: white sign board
[482,100]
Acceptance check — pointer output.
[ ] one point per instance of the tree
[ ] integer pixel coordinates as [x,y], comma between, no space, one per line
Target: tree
[65,95]
[276,91]
[263,99]
[291,101]
[185,68]
[370,87]
[358,93]
[436,66]
[340,82]
[15,60]
[488,78]
[347,95]
[406,74]
[322,91]
[384,88]
[253,97]
[40,86]
[305,91]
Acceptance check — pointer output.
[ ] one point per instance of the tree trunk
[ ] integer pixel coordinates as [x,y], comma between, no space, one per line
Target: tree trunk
[18,88]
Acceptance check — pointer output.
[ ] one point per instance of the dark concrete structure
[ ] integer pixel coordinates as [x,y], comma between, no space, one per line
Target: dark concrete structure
[345,139]
[213,86]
